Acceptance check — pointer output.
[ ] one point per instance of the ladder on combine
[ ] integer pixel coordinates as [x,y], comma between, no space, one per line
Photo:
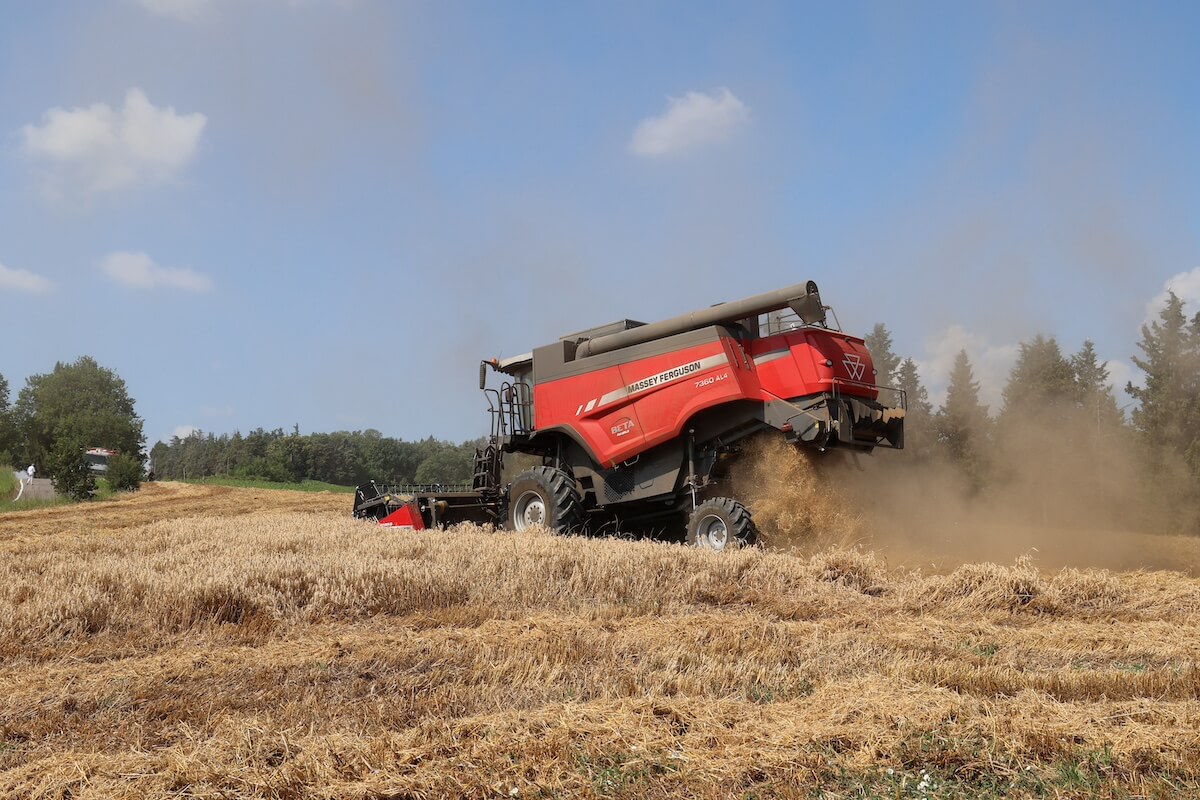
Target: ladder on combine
[426,505]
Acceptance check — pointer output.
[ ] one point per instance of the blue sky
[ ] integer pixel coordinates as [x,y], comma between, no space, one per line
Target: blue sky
[263,212]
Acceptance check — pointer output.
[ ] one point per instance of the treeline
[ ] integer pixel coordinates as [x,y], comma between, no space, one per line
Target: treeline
[1060,433]
[344,458]
[59,414]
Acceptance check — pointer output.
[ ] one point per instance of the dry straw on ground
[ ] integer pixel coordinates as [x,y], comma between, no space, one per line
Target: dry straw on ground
[202,651]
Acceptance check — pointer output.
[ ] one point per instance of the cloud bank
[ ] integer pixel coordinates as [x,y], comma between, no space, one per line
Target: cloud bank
[990,362]
[690,123]
[138,270]
[101,149]
[1185,285]
[22,280]
[184,431]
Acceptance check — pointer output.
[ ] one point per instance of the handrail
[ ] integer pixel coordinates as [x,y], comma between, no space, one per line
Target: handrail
[511,408]
[901,395]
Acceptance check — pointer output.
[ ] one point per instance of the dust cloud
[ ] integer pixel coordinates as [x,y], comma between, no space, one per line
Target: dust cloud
[795,504]
[1058,495]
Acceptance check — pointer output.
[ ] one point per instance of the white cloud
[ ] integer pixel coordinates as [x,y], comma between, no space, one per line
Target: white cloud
[139,271]
[990,363]
[689,123]
[1185,285]
[1120,373]
[99,149]
[184,431]
[22,280]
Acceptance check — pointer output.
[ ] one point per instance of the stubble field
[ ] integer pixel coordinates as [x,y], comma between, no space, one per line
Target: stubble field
[202,641]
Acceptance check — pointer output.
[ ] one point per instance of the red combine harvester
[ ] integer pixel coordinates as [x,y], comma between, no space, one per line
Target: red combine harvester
[636,424]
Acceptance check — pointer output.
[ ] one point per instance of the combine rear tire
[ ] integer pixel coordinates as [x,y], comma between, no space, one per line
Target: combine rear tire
[721,523]
[544,496]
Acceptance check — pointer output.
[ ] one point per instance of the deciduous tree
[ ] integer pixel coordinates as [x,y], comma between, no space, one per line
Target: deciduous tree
[8,431]
[81,402]
[124,473]
[69,470]
[447,465]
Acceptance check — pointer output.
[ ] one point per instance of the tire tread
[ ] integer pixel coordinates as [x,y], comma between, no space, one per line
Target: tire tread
[561,488]
[742,529]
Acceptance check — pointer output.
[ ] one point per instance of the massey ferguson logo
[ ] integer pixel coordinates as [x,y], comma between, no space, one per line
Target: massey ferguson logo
[855,366]
[664,378]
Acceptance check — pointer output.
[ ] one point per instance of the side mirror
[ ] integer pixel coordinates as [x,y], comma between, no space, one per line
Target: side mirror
[483,365]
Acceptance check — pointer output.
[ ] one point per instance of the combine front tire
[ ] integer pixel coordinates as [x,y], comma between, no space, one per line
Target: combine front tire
[544,496]
[721,523]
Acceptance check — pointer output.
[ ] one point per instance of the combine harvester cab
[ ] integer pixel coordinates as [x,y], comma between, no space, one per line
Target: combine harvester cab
[635,424]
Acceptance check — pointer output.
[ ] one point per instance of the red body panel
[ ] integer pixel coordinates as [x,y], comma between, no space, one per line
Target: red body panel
[622,410]
[809,361]
[406,516]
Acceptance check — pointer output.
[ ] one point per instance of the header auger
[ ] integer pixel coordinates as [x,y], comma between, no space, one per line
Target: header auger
[636,424]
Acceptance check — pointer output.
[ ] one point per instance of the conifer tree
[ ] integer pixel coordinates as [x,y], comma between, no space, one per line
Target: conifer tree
[1169,412]
[919,437]
[962,422]
[1095,395]
[1041,380]
[1191,452]
[879,344]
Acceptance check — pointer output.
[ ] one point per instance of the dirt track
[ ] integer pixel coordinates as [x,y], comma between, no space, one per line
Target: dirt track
[165,500]
[37,489]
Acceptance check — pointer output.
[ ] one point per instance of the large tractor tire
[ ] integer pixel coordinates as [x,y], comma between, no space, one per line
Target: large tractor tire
[721,523]
[546,497]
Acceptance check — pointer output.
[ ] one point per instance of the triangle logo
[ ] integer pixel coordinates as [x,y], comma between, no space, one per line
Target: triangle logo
[855,366]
